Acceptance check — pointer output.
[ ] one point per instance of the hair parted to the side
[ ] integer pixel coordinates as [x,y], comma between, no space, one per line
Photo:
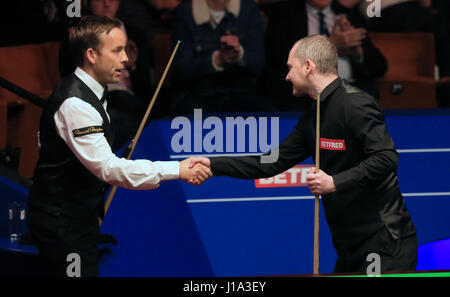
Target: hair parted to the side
[320,50]
[86,34]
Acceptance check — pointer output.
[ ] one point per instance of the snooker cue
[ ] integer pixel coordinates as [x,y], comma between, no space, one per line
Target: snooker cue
[316,197]
[132,144]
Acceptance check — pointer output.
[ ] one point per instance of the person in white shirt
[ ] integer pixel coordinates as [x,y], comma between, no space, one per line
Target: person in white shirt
[75,159]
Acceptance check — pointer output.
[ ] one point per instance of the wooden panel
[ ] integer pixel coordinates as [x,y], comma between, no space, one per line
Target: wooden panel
[3,121]
[408,54]
[50,52]
[23,127]
[26,66]
[411,66]
[418,93]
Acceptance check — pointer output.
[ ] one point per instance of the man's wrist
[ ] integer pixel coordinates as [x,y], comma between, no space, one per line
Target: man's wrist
[333,186]
[170,170]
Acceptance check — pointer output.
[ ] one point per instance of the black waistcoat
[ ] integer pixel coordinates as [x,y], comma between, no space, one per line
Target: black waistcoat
[61,184]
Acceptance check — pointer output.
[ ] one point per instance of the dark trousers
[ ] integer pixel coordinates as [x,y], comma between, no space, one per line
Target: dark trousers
[62,241]
[395,254]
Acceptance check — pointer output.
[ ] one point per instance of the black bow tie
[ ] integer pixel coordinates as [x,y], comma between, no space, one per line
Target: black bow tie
[103,99]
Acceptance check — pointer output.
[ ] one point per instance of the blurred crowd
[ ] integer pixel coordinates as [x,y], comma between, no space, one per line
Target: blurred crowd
[232,55]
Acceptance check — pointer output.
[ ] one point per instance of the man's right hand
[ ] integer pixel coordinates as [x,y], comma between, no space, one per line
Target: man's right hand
[199,160]
[348,39]
[230,50]
[194,173]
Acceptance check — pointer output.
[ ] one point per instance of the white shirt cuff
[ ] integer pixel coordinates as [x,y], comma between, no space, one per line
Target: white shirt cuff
[170,170]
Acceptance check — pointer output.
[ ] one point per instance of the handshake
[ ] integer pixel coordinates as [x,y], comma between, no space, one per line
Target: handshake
[195,170]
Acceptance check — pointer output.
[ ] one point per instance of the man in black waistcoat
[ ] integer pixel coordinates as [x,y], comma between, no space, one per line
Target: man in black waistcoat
[363,205]
[75,158]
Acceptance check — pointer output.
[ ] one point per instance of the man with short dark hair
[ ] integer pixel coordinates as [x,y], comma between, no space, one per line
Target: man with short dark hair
[358,182]
[75,158]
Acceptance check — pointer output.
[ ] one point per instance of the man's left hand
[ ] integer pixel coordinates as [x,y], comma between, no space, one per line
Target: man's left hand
[230,49]
[348,39]
[320,183]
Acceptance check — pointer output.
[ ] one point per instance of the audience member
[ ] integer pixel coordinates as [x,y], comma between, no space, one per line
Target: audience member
[150,16]
[220,56]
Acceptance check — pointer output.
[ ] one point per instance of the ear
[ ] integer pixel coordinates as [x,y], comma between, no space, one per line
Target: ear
[91,55]
[310,66]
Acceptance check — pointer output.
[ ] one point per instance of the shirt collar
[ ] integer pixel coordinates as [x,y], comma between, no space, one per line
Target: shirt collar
[311,10]
[330,89]
[94,85]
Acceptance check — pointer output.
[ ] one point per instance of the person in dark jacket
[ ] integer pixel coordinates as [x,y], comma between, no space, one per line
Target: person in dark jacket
[220,56]
[358,182]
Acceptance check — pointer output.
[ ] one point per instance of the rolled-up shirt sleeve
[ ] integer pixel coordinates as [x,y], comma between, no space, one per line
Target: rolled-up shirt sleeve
[94,151]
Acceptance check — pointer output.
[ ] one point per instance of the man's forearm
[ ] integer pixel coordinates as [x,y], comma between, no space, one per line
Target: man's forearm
[369,171]
[247,167]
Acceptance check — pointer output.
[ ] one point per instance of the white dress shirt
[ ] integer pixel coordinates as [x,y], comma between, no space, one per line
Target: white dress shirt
[344,66]
[94,151]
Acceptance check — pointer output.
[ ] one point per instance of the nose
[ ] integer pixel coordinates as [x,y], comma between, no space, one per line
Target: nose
[124,57]
[287,78]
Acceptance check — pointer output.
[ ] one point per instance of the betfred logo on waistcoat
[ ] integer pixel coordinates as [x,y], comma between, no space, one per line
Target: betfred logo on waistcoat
[293,177]
[332,144]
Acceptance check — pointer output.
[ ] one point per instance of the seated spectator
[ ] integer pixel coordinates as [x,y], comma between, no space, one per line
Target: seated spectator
[220,56]
[150,16]
[359,61]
